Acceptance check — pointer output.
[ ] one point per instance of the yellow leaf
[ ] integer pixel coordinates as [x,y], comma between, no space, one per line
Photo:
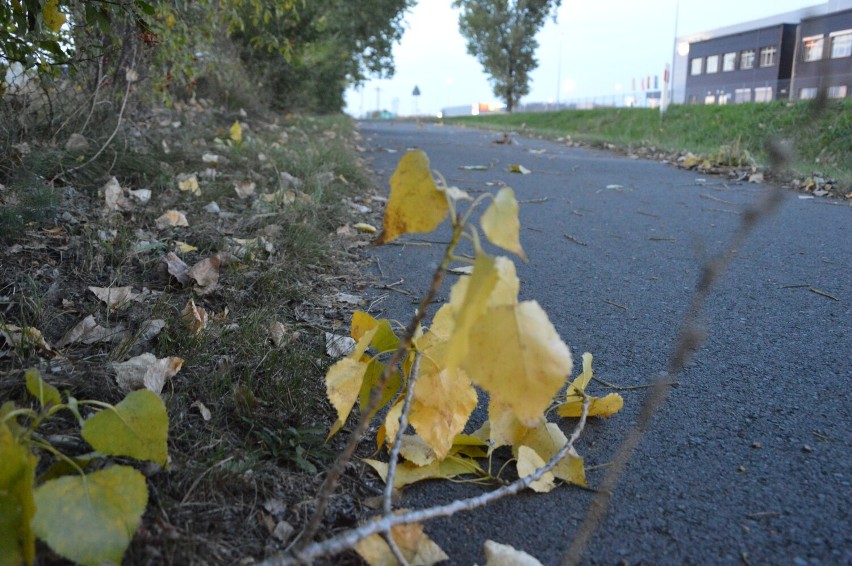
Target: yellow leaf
[516,355]
[528,462]
[392,421]
[408,473]
[184,247]
[598,407]
[17,474]
[374,372]
[493,283]
[417,548]
[236,132]
[91,519]
[53,18]
[364,227]
[415,203]
[189,184]
[546,440]
[344,379]
[415,450]
[500,222]
[519,169]
[443,401]
[497,554]
[137,427]
[384,339]
[504,428]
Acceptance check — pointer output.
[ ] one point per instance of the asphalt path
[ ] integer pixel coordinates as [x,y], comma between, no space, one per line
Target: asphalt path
[748,462]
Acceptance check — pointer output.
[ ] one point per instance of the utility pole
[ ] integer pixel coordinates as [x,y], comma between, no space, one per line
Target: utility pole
[670,99]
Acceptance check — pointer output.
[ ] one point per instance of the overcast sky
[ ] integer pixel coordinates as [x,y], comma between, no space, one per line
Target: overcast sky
[596,48]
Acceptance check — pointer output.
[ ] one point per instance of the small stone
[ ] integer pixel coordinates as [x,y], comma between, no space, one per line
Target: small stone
[756,445]
[807,448]
[76,144]
[283,531]
[741,469]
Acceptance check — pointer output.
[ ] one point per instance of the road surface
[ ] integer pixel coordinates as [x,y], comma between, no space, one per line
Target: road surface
[748,462]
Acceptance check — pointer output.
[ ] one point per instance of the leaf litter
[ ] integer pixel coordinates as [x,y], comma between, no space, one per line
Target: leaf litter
[134,284]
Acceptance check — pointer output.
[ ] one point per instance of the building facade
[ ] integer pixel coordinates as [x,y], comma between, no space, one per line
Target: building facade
[752,66]
[824,56]
[787,56]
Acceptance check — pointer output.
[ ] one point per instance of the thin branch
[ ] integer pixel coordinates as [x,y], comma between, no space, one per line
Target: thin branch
[343,458]
[350,538]
[114,132]
[397,442]
[691,336]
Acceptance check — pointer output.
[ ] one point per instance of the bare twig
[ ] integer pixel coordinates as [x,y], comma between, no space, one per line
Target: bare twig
[351,537]
[114,132]
[690,338]
[575,240]
[343,458]
[397,442]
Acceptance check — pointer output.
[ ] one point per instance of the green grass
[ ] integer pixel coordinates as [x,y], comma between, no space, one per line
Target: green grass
[822,141]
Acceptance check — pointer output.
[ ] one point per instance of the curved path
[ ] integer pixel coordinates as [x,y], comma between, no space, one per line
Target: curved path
[748,462]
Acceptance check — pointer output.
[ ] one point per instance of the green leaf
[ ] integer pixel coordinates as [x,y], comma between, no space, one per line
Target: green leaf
[44,392]
[137,427]
[17,507]
[145,7]
[91,519]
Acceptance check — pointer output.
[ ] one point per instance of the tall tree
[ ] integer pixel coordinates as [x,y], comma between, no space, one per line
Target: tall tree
[501,35]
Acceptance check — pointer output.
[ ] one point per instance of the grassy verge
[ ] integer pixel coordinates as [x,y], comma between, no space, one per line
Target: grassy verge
[822,142]
[248,414]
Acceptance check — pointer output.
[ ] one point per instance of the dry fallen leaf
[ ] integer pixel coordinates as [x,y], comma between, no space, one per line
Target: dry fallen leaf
[195,318]
[279,334]
[205,412]
[17,336]
[519,169]
[171,218]
[88,331]
[177,268]
[114,297]
[206,272]
[338,346]
[146,371]
[245,188]
[114,195]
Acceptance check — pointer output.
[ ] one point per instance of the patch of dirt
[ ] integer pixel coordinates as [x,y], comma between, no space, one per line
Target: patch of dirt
[263,270]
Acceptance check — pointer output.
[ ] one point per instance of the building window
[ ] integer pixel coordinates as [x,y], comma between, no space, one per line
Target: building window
[812,48]
[724,98]
[763,94]
[747,59]
[838,91]
[695,67]
[841,44]
[712,64]
[742,95]
[808,93]
[729,61]
[767,56]
[710,99]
